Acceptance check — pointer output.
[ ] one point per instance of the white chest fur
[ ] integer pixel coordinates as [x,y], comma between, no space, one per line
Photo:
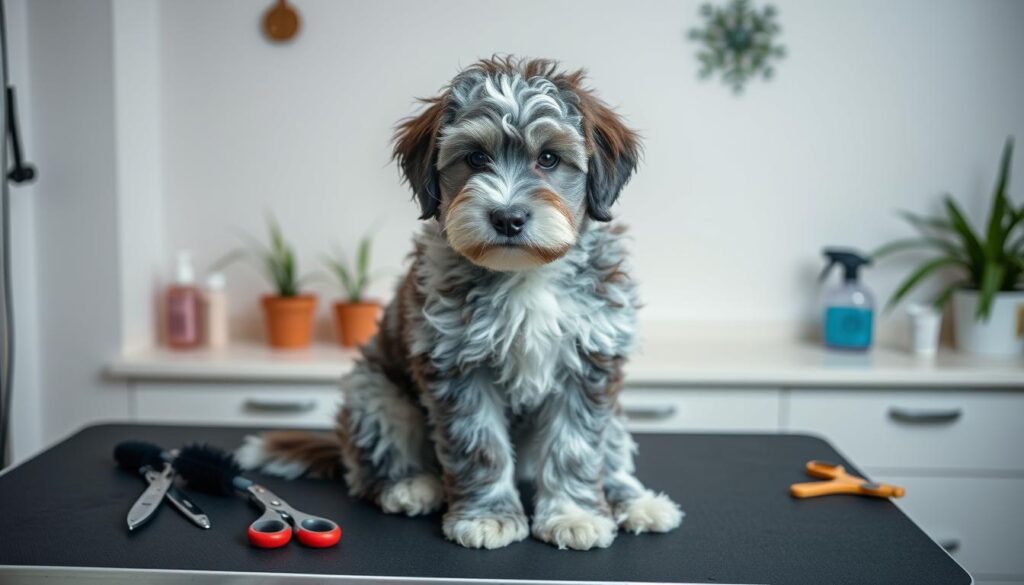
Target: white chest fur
[534,334]
[527,328]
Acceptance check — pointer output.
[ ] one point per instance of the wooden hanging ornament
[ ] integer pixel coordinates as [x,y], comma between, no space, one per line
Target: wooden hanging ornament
[281,22]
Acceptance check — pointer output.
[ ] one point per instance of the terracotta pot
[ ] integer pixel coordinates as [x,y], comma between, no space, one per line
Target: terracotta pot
[356,322]
[289,320]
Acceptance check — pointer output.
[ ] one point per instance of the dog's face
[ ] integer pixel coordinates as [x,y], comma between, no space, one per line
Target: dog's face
[513,169]
[512,158]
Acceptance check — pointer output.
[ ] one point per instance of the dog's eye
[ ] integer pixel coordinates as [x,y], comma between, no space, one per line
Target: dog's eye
[547,160]
[478,160]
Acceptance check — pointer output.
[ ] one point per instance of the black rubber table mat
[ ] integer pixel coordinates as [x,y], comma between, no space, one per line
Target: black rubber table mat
[67,508]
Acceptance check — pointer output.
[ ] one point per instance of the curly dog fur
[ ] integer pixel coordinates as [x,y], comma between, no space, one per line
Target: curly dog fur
[505,342]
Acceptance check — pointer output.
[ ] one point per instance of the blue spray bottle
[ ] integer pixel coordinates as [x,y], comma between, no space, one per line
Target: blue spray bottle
[850,308]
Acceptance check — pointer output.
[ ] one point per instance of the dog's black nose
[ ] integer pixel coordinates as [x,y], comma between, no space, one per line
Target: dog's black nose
[508,221]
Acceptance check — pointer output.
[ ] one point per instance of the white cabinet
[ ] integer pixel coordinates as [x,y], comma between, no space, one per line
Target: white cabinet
[707,409]
[958,453]
[979,520]
[917,429]
[238,404]
[315,405]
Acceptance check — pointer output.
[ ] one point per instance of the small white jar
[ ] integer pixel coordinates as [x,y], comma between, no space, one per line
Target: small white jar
[925,326]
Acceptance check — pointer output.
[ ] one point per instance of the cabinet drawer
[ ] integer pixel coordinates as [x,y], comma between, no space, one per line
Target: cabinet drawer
[295,405]
[681,410]
[980,521]
[916,429]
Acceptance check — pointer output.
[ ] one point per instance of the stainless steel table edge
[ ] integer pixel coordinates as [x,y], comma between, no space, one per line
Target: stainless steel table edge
[36,575]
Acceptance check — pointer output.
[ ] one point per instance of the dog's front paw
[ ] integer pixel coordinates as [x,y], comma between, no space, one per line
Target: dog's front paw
[412,496]
[650,512]
[573,527]
[485,531]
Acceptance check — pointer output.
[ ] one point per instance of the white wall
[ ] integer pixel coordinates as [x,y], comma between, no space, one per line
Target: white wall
[138,125]
[27,403]
[88,235]
[70,50]
[159,126]
[880,105]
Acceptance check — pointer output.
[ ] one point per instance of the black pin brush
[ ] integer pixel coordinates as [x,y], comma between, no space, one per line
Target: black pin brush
[210,469]
[134,455]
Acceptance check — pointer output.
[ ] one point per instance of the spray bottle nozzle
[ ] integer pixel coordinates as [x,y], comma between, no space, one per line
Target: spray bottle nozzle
[851,260]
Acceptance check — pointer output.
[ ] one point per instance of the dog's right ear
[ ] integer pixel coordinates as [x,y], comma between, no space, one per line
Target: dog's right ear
[416,152]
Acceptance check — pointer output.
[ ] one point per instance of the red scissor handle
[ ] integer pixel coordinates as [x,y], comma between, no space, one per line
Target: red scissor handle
[274,527]
[317,532]
[270,531]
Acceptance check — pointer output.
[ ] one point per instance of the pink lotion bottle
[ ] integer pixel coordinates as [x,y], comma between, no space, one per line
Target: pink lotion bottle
[182,306]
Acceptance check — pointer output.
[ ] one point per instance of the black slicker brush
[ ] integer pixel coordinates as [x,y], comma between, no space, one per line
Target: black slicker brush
[134,455]
[209,469]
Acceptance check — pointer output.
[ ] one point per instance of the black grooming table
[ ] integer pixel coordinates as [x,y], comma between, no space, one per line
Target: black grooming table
[64,521]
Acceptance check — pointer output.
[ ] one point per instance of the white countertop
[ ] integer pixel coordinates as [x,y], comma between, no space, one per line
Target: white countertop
[663,360]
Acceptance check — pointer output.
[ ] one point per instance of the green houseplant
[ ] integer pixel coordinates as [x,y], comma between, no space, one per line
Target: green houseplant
[988,301]
[288,313]
[355,317]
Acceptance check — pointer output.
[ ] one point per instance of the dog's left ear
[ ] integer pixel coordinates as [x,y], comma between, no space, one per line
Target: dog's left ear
[614,153]
[416,152]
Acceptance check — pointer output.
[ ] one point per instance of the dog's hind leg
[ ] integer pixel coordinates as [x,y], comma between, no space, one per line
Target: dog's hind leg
[384,444]
[636,508]
[380,442]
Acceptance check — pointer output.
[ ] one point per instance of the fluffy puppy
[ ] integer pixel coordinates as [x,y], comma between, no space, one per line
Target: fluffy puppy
[506,338]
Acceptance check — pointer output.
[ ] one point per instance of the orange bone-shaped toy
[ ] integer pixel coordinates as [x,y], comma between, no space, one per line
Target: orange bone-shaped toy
[840,482]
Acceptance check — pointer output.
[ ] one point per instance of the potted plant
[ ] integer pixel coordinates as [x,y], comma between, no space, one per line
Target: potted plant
[289,313]
[355,317]
[987,294]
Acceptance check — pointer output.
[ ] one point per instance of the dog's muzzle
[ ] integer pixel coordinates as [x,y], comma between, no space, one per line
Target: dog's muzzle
[533,230]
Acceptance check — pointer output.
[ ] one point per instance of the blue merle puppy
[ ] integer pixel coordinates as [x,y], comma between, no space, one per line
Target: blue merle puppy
[505,342]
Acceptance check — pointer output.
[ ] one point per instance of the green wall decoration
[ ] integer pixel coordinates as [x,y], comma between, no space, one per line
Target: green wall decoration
[739,41]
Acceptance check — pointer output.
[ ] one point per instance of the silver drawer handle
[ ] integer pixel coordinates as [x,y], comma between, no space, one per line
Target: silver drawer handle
[653,412]
[950,544]
[924,415]
[278,406]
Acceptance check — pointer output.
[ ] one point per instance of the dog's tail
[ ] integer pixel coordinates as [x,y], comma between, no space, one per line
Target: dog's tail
[292,454]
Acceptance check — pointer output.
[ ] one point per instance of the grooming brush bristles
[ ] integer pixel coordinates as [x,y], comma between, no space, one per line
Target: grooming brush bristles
[208,468]
[133,455]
